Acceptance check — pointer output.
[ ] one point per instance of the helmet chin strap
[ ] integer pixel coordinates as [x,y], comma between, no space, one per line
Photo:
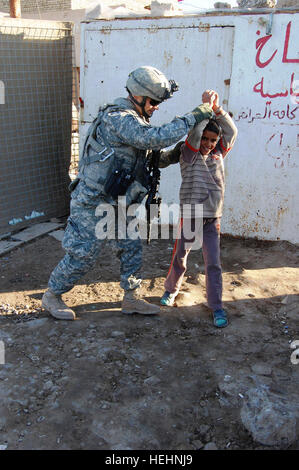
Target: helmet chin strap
[141,105]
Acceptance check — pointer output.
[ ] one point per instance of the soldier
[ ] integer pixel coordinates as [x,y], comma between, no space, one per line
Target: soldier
[113,163]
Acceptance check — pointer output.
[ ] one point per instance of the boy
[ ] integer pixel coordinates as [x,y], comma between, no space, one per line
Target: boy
[203,183]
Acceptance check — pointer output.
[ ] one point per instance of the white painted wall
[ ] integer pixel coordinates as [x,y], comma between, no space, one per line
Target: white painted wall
[263,170]
[201,52]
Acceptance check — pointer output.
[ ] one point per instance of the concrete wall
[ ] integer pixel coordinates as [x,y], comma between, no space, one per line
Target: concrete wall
[262,170]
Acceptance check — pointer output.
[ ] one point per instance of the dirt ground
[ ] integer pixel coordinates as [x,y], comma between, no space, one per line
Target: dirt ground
[173,381]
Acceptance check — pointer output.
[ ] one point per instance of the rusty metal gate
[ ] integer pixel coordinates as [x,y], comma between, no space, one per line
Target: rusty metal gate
[35,121]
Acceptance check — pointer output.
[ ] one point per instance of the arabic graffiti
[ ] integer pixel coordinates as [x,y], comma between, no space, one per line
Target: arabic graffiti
[261,42]
[279,148]
[286,46]
[287,113]
[259,88]
[273,89]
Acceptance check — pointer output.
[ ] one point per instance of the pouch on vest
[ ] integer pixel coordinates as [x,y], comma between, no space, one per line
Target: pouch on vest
[118,182]
[135,193]
[97,162]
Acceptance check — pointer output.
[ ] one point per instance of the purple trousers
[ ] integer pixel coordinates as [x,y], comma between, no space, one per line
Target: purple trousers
[211,256]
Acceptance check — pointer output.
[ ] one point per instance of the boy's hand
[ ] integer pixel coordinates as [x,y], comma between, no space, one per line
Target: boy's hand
[208,97]
[215,106]
[212,98]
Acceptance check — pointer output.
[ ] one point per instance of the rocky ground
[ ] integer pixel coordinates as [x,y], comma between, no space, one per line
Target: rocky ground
[110,381]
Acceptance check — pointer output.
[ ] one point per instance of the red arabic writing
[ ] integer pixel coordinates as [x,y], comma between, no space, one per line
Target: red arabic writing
[259,88]
[259,46]
[261,42]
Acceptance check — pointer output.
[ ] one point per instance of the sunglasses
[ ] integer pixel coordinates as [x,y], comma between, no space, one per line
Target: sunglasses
[154,102]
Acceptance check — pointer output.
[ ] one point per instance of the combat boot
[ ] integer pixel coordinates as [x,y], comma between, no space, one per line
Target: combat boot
[132,303]
[55,305]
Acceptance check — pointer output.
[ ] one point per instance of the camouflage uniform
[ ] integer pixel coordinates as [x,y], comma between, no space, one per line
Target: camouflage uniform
[130,136]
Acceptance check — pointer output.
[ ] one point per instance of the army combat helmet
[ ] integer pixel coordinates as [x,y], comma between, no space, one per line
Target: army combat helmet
[147,81]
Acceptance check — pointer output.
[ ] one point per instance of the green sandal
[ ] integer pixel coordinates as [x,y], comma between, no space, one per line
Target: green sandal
[168,299]
[220,318]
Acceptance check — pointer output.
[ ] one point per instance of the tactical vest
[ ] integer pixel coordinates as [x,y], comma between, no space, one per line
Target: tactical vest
[99,161]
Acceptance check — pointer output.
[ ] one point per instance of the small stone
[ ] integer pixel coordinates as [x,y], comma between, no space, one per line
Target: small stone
[115,334]
[203,429]
[153,380]
[48,385]
[268,419]
[210,446]
[105,406]
[47,370]
[197,444]
[34,358]
[227,378]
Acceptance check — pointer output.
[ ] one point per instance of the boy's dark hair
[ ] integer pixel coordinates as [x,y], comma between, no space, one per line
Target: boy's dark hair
[213,126]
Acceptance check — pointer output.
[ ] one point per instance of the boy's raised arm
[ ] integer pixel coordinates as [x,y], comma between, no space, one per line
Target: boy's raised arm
[229,129]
